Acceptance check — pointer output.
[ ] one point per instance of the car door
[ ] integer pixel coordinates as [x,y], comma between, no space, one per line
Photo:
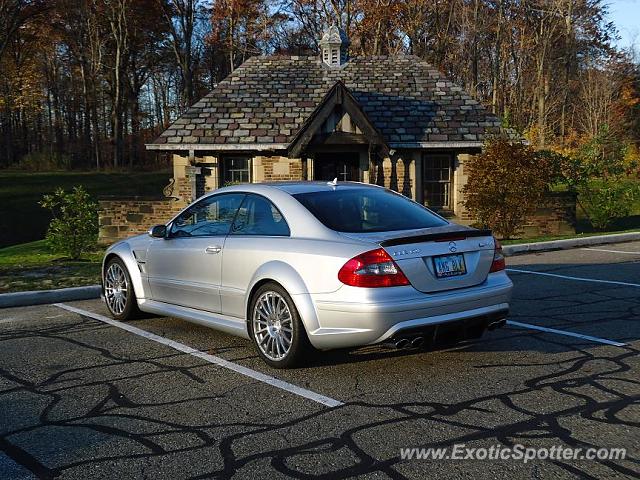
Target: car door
[258,236]
[185,267]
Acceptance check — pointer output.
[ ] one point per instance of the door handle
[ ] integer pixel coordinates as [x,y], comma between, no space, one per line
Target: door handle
[214,249]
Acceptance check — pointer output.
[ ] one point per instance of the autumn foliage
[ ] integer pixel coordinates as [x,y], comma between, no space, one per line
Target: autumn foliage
[92,81]
[506,184]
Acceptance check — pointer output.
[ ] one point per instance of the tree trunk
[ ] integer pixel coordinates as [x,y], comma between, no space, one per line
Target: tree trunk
[57,118]
[118,23]
[568,65]
[86,125]
[134,102]
[495,71]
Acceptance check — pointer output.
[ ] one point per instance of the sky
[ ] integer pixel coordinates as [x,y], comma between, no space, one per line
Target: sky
[625,14]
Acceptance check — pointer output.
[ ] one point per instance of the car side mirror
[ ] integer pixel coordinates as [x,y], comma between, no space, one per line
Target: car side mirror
[158,231]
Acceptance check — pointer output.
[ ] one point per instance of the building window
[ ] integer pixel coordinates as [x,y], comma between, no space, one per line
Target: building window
[236,170]
[437,175]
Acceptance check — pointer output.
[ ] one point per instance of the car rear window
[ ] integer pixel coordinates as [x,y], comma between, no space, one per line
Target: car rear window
[367,210]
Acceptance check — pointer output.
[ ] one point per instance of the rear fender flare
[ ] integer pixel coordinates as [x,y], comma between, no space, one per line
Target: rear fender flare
[285,275]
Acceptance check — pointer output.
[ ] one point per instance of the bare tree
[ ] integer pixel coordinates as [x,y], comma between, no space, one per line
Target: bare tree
[597,93]
[180,18]
[117,12]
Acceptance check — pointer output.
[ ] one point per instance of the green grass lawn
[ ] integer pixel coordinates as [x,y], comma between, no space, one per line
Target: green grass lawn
[547,238]
[23,220]
[32,266]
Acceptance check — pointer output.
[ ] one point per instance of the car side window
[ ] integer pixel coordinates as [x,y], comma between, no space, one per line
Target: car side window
[211,216]
[258,216]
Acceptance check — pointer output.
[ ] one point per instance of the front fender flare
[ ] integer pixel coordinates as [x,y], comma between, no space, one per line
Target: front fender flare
[123,251]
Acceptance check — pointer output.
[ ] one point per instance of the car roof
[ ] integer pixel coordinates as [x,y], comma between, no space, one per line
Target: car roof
[293,188]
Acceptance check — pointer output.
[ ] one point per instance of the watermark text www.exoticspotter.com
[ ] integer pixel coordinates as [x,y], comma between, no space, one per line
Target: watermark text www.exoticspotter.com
[518,452]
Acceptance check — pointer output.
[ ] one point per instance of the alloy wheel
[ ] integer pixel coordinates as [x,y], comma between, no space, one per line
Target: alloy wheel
[272,325]
[115,289]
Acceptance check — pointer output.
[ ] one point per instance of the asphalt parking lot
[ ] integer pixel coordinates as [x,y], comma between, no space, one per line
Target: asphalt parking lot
[81,398]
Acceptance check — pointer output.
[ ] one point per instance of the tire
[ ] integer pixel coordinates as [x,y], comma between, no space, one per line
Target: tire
[118,291]
[274,324]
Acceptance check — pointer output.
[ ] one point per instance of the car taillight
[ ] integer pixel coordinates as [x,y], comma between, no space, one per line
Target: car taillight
[372,269]
[498,258]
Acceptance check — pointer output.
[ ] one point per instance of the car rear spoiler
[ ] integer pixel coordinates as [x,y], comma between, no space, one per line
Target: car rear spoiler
[436,237]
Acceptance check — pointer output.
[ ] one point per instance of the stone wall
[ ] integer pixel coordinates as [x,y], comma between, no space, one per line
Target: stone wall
[276,169]
[460,177]
[555,216]
[124,217]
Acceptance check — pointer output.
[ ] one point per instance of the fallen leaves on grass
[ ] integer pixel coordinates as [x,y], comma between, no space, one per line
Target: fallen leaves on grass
[59,274]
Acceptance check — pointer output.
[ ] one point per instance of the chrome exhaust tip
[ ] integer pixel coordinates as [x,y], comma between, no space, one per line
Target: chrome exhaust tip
[417,342]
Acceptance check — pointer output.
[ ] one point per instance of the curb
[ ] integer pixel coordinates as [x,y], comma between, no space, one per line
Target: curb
[522,248]
[39,297]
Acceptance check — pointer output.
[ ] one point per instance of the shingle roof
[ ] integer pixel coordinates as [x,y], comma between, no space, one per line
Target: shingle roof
[267,99]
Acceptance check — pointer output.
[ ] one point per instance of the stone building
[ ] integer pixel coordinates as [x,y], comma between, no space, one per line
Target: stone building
[390,120]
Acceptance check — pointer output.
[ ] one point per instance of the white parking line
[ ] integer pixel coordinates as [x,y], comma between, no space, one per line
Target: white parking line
[563,332]
[578,279]
[221,362]
[610,251]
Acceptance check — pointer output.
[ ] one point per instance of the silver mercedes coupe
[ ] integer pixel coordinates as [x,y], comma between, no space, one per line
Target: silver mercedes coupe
[298,267]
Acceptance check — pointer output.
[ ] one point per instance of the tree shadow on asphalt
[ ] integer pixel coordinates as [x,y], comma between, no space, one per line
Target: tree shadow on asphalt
[297,446]
[596,385]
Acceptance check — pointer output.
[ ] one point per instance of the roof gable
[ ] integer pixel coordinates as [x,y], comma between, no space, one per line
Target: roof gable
[267,100]
[338,96]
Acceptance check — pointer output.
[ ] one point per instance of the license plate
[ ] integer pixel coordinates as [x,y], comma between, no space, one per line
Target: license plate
[449,265]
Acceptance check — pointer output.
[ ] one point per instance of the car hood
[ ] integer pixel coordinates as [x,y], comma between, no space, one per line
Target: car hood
[130,240]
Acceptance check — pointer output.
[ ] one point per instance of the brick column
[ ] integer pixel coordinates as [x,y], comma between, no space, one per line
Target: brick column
[197,185]
[460,177]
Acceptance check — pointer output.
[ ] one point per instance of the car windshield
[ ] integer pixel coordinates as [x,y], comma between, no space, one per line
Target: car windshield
[367,210]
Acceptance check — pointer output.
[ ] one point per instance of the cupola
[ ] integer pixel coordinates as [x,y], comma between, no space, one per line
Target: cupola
[334,47]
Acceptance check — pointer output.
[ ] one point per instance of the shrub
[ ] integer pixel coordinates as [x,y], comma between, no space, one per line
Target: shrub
[607,199]
[74,227]
[564,170]
[602,156]
[506,183]
[602,172]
